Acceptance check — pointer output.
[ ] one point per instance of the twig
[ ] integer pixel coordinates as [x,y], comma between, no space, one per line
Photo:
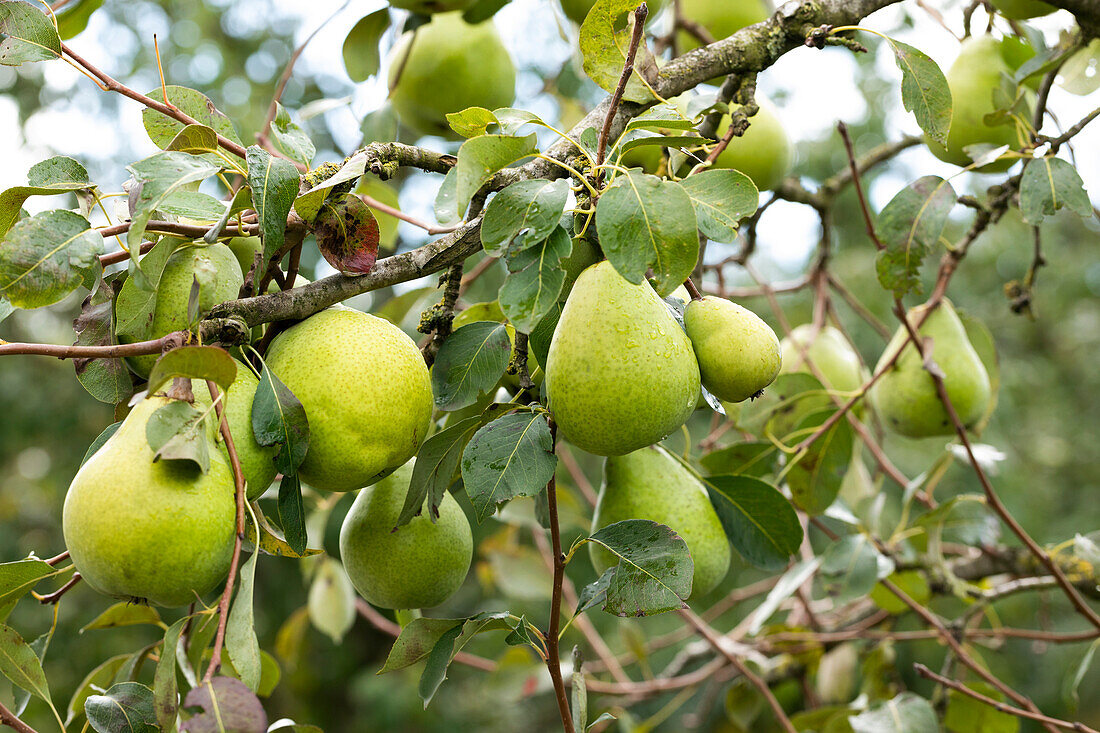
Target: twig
[384,625]
[997,705]
[553,655]
[10,719]
[138,348]
[191,231]
[238,537]
[479,270]
[854,167]
[122,255]
[1062,139]
[640,14]
[56,595]
[398,214]
[56,559]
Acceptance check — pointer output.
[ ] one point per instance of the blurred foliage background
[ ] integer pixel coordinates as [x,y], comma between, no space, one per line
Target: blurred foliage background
[1045,423]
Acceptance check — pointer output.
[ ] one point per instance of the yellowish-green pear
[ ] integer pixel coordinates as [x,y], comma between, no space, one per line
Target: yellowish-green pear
[905,397]
[452,65]
[738,352]
[721,18]
[651,484]
[219,276]
[418,565]
[973,78]
[366,393]
[245,249]
[620,373]
[257,461]
[1023,9]
[763,153]
[142,531]
[831,354]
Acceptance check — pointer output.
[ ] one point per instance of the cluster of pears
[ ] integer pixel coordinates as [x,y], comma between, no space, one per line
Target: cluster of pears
[621,373]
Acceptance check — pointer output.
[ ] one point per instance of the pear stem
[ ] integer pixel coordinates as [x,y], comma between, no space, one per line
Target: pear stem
[553,653]
[239,486]
[692,290]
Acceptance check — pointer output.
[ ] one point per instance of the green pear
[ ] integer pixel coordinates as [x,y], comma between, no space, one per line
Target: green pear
[257,461]
[143,531]
[1022,9]
[419,565]
[427,7]
[219,276]
[620,373]
[721,19]
[973,78]
[905,397]
[830,353]
[651,484]
[577,10]
[366,392]
[245,249]
[763,153]
[738,353]
[453,65]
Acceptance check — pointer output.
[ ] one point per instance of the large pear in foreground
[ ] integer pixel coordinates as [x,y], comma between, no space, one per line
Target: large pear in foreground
[738,353]
[419,565]
[453,65]
[620,373]
[831,354]
[905,397]
[651,484]
[143,531]
[257,461]
[214,267]
[366,392]
[973,78]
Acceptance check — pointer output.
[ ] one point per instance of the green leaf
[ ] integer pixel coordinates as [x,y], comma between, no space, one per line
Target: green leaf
[511,456]
[46,257]
[469,364]
[472,121]
[924,90]
[851,567]
[97,680]
[646,222]
[54,176]
[722,198]
[759,521]
[125,708]
[909,227]
[1079,74]
[165,688]
[108,380]
[30,35]
[449,644]
[21,665]
[162,130]
[654,571]
[226,706]
[748,459]
[72,21]
[379,126]
[605,44]
[906,713]
[292,515]
[1047,185]
[177,431]
[278,418]
[194,139]
[124,614]
[347,234]
[158,176]
[815,478]
[595,592]
[290,139]
[481,10]
[480,158]
[416,641]
[332,600]
[136,304]
[445,205]
[543,332]
[274,183]
[194,362]
[967,715]
[309,203]
[966,519]
[535,281]
[240,630]
[1072,685]
[272,541]
[19,577]
[523,214]
[361,57]
[435,469]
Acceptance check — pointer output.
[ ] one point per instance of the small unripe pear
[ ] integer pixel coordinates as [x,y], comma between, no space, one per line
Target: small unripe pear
[906,398]
[620,373]
[651,484]
[764,153]
[143,531]
[418,565]
[218,274]
[738,353]
[828,350]
[366,393]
